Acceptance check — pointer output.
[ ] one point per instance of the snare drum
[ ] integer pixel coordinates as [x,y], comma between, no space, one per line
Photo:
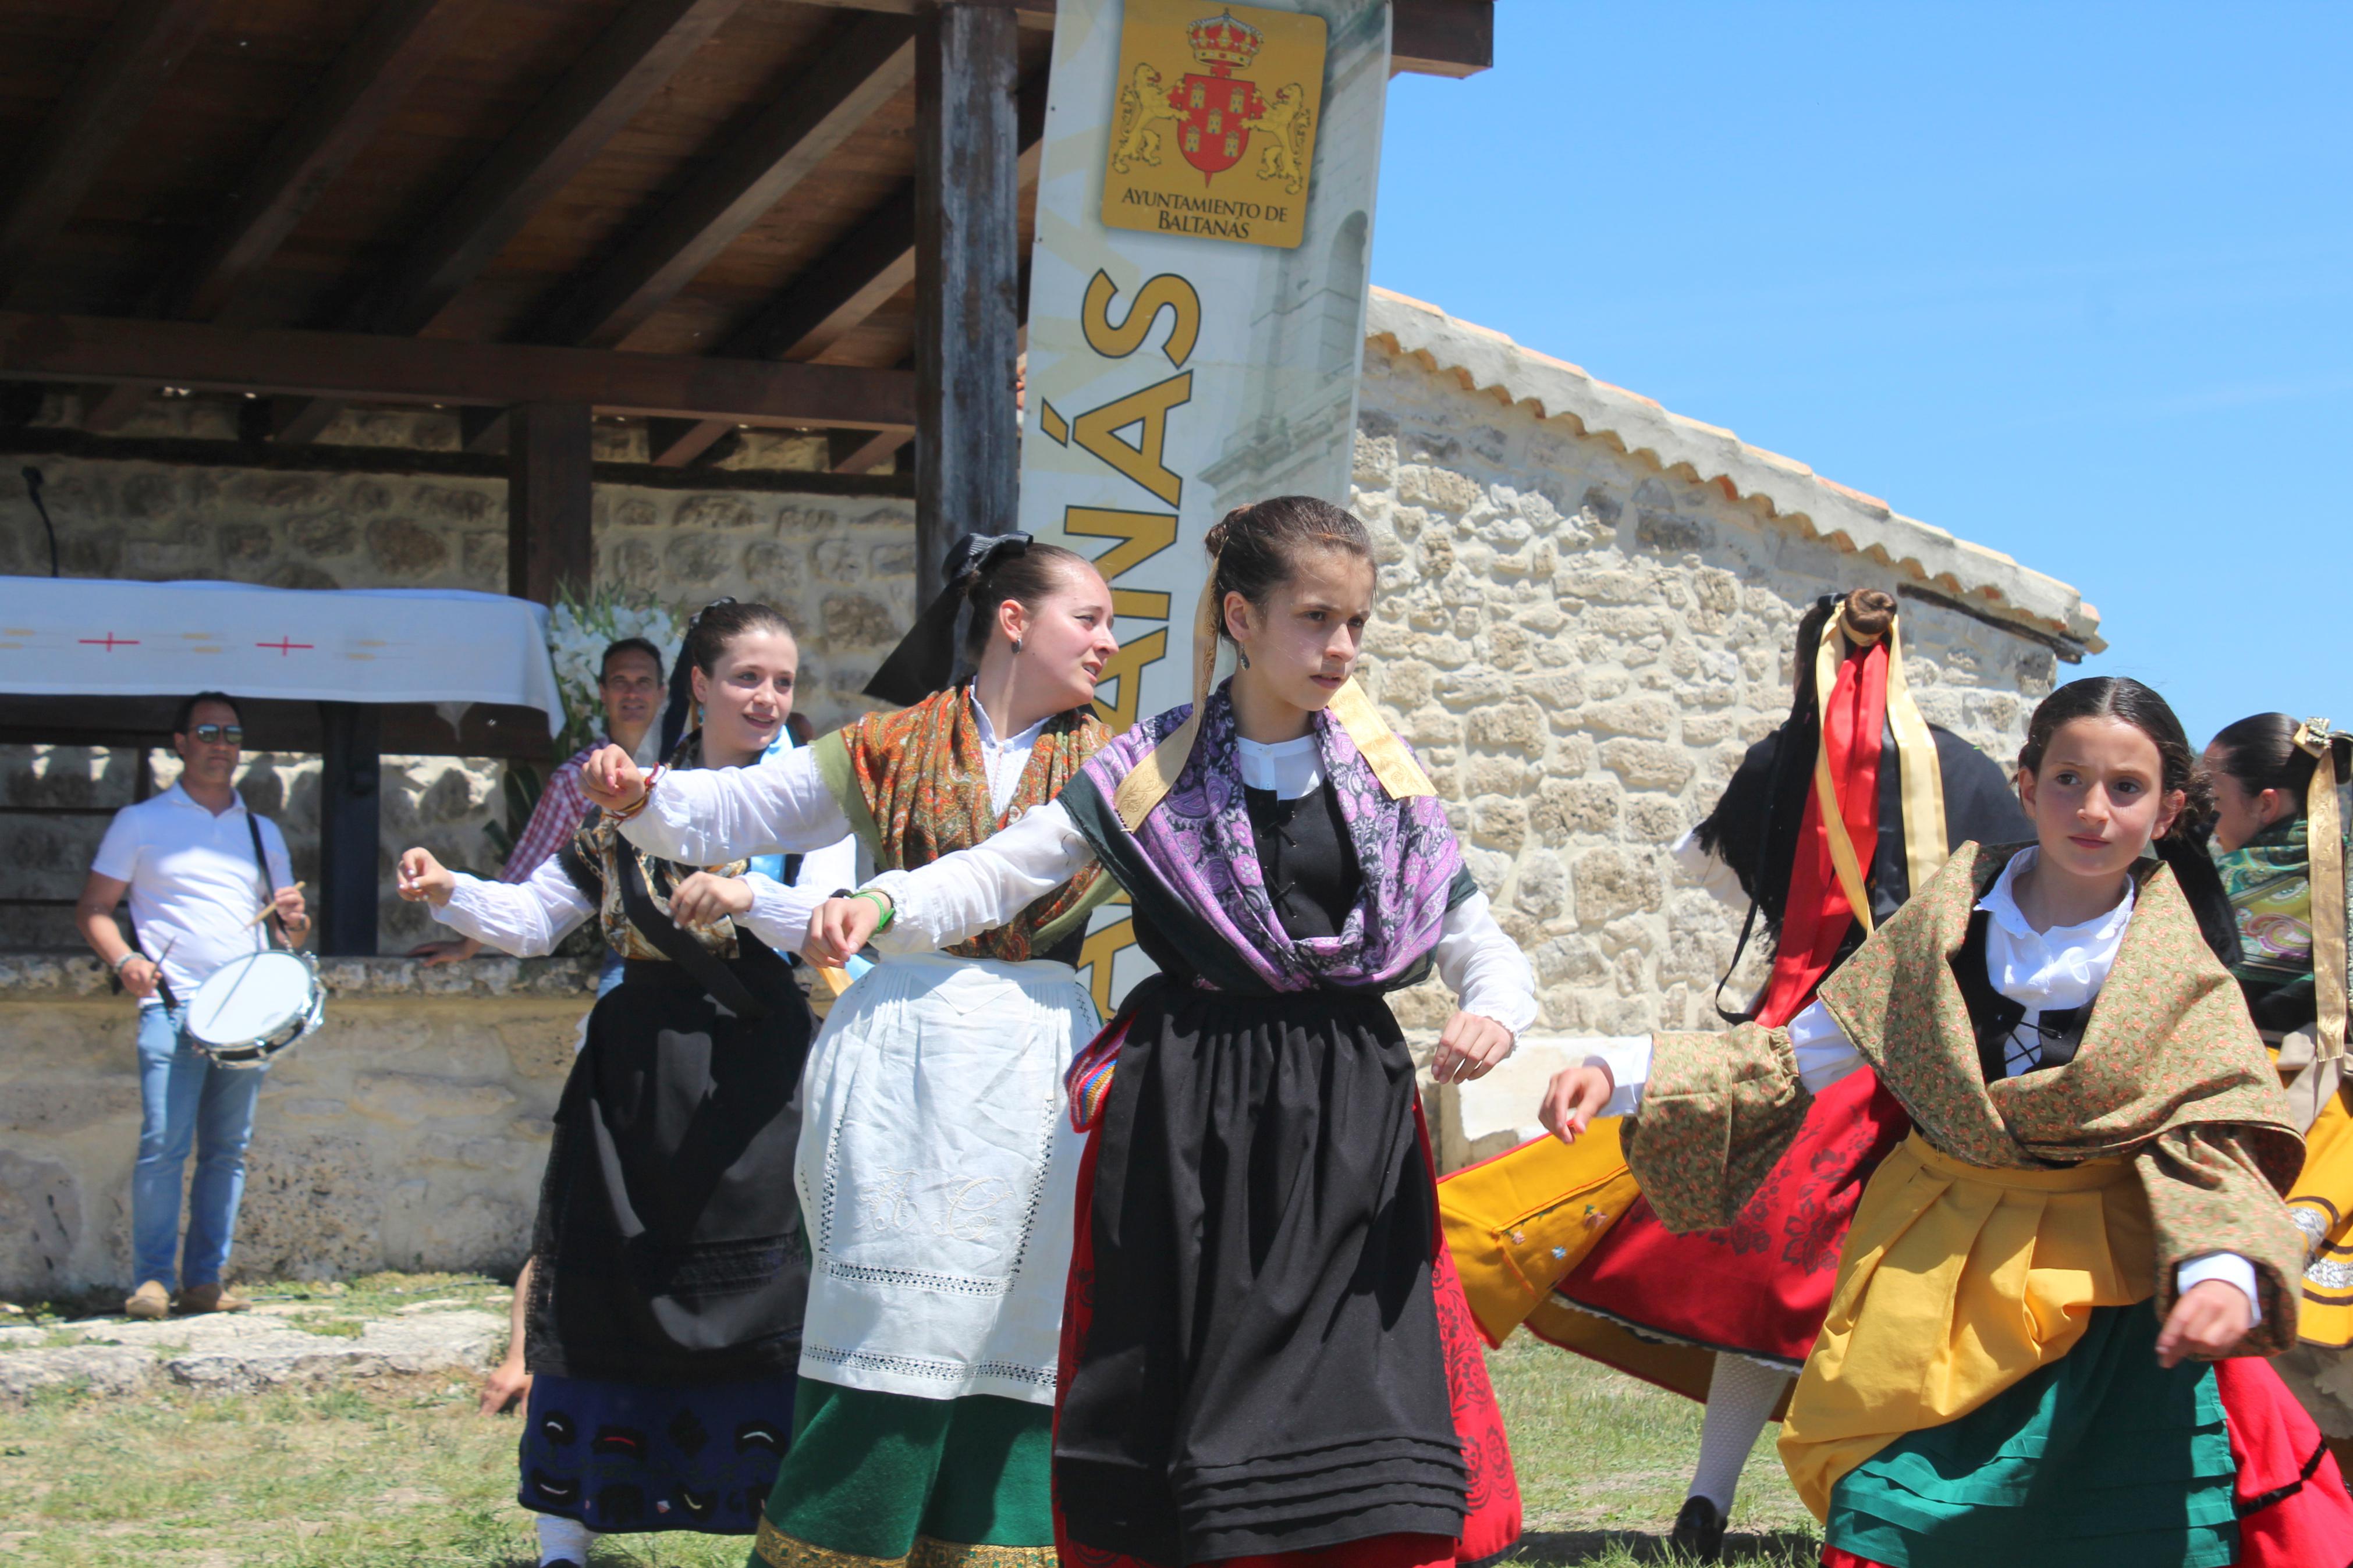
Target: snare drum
[251,1008]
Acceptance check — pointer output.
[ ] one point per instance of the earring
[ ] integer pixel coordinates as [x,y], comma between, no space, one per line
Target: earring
[1243,655]
[1017,645]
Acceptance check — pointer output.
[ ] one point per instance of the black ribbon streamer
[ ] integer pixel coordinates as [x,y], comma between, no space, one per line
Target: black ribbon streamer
[925,659]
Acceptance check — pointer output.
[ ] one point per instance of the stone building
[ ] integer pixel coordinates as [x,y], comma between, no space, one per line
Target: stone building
[1586,607]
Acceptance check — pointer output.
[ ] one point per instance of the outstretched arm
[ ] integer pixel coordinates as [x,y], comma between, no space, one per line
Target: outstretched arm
[524,918]
[705,816]
[958,896]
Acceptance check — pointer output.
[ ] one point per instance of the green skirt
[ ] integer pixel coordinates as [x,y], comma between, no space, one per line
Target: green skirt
[2103,1456]
[885,1479]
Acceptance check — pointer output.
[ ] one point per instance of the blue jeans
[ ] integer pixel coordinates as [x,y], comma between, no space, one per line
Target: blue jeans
[187,1101]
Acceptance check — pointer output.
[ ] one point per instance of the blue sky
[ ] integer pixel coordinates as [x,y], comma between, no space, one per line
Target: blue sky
[2074,282]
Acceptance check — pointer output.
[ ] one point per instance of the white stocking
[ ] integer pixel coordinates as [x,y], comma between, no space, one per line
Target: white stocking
[1740,1399]
[564,1540]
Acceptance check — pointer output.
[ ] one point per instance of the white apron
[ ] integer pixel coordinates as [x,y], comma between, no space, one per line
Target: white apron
[937,1172]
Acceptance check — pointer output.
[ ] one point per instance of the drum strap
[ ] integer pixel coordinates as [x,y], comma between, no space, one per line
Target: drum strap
[708,968]
[268,894]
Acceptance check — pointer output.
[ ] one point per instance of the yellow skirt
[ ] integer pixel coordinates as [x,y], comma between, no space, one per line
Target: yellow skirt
[2322,1205]
[1518,1222]
[1956,1282]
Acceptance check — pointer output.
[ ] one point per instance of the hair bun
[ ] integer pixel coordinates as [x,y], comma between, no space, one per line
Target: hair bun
[1868,612]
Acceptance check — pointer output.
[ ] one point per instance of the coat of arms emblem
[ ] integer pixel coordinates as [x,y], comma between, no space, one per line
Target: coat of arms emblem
[1220,154]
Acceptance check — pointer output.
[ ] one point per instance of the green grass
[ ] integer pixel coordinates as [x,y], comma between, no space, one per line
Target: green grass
[391,1473]
[1604,1461]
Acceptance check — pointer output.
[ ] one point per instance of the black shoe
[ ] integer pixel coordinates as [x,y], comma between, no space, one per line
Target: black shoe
[1699,1530]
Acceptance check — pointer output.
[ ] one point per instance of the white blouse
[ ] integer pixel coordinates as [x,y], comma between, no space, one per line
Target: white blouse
[527,918]
[712,815]
[2064,966]
[962,895]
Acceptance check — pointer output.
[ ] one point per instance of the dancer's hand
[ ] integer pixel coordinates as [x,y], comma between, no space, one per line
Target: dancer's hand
[1470,1047]
[1574,1097]
[508,1385]
[422,879]
[704,899]
[2208,1321]
[455,951]
[840,929]
[611,778]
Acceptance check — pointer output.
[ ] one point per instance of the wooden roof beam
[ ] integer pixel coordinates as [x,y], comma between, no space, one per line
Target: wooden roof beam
[394,48]
[602,92]
[147,41]
[375,367]
[1428,37]
[866,63]
[1441,38]
[850,283]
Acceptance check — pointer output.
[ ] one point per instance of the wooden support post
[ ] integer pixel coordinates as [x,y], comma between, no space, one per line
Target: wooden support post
[351,826]
[967,269]
[548,484]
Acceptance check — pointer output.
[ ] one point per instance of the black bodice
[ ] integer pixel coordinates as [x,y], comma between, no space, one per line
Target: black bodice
[1308,859]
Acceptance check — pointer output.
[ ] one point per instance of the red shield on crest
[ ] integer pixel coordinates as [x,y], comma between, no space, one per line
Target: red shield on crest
[1214,113]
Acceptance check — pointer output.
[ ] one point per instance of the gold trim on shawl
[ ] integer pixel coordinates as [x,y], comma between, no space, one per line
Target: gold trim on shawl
[1921,780]
[1148,783]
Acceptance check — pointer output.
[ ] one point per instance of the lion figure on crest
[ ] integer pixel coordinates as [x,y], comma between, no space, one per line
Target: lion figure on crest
[1143,110]
[1285,124]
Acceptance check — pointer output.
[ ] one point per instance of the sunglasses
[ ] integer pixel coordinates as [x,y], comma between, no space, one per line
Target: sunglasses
[219,735]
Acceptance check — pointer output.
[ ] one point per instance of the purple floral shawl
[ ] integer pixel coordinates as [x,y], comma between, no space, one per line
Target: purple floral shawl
[1199,846]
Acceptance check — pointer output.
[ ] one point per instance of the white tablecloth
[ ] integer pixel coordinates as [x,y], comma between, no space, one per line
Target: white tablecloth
[79,635]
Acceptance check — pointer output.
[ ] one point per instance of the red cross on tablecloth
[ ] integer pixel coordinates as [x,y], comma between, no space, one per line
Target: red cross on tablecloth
[283,646]
[109,642]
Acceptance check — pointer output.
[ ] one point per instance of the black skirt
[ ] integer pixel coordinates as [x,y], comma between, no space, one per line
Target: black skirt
[1262,1370]
[669,1245]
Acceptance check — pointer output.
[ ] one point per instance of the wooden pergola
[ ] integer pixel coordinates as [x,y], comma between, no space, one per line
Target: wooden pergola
[705,215]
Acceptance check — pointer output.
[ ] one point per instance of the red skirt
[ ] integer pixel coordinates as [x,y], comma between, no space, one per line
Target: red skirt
[2290,1501]
[1492,1521]
[1760,1287]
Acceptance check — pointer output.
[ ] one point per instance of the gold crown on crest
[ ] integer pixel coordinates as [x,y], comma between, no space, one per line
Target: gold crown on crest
[1225,41]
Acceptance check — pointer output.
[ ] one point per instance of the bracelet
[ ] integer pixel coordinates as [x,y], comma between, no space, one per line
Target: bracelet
[627,812]
[126,958]
[890,910]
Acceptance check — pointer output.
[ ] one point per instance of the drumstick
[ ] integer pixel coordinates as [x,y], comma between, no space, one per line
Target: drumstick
[269,909]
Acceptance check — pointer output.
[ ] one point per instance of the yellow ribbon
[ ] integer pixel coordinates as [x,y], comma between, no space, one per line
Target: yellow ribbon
[2323,831]
[1921,781]
[1151,780]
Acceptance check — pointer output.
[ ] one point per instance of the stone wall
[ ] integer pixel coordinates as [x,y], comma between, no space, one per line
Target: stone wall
[408,1133]
[1585,618]
[841,568]
[1581,645]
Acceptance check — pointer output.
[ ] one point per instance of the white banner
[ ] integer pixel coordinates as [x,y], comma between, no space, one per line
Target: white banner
[81,635]
[1201,354]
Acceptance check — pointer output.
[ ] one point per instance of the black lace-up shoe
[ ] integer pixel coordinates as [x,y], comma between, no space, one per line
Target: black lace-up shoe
[1699,1530]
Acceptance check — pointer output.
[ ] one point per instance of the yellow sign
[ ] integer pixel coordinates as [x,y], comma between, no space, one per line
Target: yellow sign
[1214,130]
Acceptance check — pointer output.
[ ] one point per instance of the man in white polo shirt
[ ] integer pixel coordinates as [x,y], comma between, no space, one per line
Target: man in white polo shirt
[199,867]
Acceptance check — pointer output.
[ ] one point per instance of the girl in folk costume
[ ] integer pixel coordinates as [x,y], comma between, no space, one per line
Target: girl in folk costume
[936,1168]
[1266,1356]
[2280,845]
[668,1270]
[2093,1124]
[1826,828]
